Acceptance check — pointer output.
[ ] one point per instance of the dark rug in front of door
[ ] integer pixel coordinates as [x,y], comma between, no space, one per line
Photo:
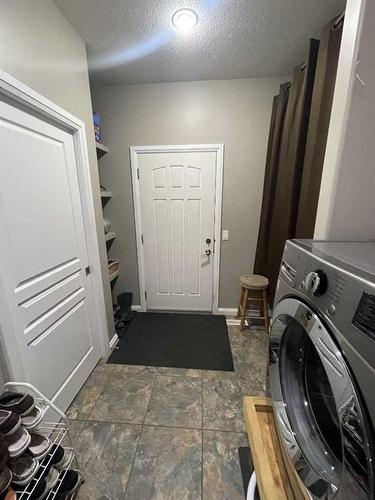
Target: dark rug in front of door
[175,340]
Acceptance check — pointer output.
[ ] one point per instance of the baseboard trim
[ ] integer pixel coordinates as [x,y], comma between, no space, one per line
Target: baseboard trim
[233,322]
[113,341]
[223,311]
[227,311]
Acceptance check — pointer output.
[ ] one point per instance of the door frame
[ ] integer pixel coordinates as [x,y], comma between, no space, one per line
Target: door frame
[134,165]
[21,96]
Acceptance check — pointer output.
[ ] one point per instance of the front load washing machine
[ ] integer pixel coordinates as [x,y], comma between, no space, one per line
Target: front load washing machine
[322,366]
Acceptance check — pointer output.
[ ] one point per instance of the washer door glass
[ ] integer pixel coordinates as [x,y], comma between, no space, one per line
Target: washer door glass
[311,405]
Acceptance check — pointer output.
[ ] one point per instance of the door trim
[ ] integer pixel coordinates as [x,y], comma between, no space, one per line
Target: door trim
[19,94]
[134,164]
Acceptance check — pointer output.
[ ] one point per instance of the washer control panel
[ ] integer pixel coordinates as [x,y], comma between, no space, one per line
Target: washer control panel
[341,294]
[364,317]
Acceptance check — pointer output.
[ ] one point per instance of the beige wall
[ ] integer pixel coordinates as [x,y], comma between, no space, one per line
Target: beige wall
[39,47]
[234,112]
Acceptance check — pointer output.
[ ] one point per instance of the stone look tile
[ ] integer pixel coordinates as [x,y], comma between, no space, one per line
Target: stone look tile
[245,359]
[251,370]
[134,369]
[102,366]
[254,386]
[250,358]
[176,402]
[234,332]
[88,491]
[167,465]
[106,453]
[222,477]
[255,342]
[124,399]
[218,374]
[86,398]
[252,383]
[223,405]
[180,372]
[75,428]
[167,462]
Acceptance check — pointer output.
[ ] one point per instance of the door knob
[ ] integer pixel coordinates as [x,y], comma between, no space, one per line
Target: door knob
[206,253]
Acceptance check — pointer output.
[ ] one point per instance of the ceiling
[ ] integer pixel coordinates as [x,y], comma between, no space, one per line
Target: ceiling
[133,41]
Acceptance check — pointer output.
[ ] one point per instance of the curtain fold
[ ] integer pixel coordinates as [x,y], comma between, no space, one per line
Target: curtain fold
[280,103]
[296,151]
[281,222]
[321,105]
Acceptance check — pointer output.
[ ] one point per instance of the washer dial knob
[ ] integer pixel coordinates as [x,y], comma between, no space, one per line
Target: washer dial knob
[316,283]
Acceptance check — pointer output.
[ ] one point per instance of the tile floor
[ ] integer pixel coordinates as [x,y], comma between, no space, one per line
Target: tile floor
[147,433]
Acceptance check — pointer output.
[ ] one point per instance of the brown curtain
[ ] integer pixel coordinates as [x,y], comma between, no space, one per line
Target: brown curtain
[280,103]
[284,202]
[324,86]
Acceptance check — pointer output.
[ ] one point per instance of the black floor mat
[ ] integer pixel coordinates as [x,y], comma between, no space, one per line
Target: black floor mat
[176,340]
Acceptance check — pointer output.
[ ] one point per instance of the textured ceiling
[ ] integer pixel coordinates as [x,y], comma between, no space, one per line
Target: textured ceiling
[133,41]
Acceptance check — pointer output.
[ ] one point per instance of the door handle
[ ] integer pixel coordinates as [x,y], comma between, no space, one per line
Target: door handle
[206,253]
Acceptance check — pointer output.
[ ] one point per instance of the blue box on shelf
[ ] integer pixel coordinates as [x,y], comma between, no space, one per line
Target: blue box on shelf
[97,127]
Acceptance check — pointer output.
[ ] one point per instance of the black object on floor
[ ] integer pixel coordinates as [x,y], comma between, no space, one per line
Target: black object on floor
[247,468]
[125,300]
[127,319]
[176,340]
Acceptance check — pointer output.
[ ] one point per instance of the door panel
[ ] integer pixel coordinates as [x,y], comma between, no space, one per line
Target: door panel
[194,246]
[177,214]
[177,209]
[44,254]
[161,234]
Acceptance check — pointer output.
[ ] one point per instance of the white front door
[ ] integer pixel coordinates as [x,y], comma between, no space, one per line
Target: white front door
[177,199]
[46,297]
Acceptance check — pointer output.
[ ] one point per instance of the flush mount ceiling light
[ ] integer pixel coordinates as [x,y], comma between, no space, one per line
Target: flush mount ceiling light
[184,20]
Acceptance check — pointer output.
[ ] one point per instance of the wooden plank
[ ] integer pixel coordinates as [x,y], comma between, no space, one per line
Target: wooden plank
[272,479]
[299,489]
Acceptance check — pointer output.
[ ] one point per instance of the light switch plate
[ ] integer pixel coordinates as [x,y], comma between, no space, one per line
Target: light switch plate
[225,235]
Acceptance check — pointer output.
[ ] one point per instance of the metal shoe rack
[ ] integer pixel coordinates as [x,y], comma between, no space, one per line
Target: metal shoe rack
[56,432]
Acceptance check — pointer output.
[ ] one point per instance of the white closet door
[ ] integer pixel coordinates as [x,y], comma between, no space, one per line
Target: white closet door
[47,295]
[177,204]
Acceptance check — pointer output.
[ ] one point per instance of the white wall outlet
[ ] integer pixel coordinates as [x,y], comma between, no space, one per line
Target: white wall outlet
[225,235]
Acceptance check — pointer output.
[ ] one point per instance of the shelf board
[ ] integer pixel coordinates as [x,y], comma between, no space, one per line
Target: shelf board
[114,275]
[110,236]
[106,194]
[101,150]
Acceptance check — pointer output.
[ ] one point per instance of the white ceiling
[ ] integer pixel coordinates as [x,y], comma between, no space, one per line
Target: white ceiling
[133,41]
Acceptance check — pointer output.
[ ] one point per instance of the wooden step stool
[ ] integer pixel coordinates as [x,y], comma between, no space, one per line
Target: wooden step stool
[258,286]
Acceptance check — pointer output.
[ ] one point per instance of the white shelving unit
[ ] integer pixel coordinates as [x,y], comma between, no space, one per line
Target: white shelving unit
[101,150]
[105,195]
[110,236]
[56,431]
[114,275]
